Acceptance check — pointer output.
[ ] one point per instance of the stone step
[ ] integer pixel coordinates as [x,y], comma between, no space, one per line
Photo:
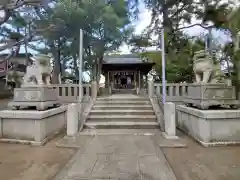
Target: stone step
[110,132]
[121,118]
[123,102]
[122,112]
[122,99]
[121,125]
[120,106]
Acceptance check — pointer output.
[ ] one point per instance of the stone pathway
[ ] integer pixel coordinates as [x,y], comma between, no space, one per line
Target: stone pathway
[117,157]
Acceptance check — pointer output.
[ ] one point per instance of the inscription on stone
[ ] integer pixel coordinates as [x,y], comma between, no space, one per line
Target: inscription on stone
[34,95]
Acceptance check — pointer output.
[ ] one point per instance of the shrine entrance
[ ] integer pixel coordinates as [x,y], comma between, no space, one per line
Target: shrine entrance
[123,80]
[124,73]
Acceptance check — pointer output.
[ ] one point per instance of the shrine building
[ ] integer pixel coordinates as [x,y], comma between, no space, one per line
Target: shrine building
[125,73]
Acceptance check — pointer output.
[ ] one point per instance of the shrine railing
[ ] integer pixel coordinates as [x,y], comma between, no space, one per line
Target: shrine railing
[68,93]
[174,92]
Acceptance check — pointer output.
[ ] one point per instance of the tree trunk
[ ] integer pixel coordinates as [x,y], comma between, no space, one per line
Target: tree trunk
[56,67]
[236,64]
[76,72]
[94,70]
[99,71]
[236,67]
[57,64]
[228,65]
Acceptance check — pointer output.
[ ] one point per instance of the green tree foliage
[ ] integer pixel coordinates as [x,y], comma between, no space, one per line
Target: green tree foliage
[179,65]
[106,24]
[231,50]
[105,27]
[10,10]
[174,16]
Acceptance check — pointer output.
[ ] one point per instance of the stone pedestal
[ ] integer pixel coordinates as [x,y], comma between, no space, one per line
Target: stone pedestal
[205,95]
[31,126]
[41,97]
[210,127]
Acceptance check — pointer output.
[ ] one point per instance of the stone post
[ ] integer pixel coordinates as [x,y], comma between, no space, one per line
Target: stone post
[72,119]
[170,121]
[137,91]
[110,88]
[150,89]
[94,89]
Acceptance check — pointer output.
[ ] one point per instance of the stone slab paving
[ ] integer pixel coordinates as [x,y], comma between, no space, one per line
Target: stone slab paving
[74,142]
[118,157]
[158,138]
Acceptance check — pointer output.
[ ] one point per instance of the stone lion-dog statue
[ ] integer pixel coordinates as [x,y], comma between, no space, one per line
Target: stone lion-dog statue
[205,70]
[39,72]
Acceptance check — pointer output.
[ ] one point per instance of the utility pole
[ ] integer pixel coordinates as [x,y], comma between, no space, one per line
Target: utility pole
[80,97]
[163,67]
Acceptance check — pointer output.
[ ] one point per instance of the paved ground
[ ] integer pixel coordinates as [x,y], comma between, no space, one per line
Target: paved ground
[23,162]
[118,157]
[198,163]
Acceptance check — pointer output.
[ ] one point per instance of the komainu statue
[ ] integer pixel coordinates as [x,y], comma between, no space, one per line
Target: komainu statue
[212,88]
[39,73]
[202,66]
[36,90]
[205,70]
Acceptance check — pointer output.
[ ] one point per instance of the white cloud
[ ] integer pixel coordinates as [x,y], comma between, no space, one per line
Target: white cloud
[143,21]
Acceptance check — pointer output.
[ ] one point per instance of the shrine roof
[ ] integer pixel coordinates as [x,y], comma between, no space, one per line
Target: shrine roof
[19,55]
[126,62]
[123,59]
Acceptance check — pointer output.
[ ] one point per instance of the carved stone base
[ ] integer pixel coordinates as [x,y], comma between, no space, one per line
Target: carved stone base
[205,95]
[41,97]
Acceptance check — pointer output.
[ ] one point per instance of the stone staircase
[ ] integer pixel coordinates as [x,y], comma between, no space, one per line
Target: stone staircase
[122,112]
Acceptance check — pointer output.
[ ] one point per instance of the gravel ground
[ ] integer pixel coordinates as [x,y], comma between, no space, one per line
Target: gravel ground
[198,163]
[24,162]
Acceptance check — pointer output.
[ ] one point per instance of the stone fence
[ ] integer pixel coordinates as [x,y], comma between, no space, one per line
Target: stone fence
[174,92]
[68,93]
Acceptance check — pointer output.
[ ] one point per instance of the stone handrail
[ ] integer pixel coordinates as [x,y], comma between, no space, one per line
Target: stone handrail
[68,93]
[175,92]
